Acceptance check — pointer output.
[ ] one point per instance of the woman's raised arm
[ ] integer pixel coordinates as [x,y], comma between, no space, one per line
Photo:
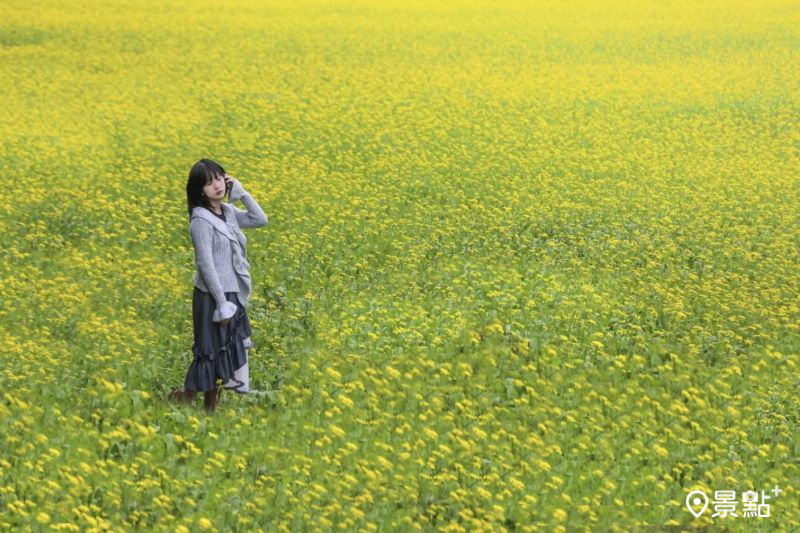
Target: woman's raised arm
[254,217]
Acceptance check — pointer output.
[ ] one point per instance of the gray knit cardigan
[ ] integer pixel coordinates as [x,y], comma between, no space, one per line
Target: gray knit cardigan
[220,250]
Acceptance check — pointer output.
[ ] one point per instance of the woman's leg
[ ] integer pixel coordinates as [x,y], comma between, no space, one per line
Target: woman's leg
[210,399]
[182,395]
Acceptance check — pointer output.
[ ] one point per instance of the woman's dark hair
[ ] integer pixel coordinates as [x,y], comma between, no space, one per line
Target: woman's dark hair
[201,174]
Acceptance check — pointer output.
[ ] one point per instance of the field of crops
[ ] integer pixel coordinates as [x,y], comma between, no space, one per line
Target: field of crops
[529,266]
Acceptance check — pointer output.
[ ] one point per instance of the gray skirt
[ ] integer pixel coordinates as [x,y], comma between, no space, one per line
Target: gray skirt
[219,351]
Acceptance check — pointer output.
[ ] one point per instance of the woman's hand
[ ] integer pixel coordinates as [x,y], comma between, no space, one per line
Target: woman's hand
[235,189]
[230,181]
[224,322]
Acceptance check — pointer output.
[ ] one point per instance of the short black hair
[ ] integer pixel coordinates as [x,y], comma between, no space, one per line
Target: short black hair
[201,174]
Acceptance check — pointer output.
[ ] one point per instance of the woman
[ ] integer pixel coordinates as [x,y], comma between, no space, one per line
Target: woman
[222,284]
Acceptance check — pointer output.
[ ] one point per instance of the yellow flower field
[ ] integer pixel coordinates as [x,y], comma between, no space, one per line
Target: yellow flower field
[529,266]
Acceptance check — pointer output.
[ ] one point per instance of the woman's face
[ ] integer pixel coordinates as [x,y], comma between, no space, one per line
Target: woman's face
[215,189]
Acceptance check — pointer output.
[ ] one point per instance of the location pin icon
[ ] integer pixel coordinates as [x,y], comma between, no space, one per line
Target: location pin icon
[694,500]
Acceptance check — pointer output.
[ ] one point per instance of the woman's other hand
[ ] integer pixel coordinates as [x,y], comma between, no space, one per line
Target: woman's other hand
[224,322]
[236,191]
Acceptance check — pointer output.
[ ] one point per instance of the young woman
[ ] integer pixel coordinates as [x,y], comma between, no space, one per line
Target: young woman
[222,284]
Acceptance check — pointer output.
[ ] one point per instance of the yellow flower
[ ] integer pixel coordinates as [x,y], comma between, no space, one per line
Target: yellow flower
[431,434]
[347,402]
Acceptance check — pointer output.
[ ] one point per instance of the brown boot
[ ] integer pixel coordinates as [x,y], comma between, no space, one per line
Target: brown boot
[182,396]
[210,399]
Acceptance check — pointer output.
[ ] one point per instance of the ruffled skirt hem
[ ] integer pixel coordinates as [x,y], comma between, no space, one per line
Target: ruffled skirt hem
[231,341]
